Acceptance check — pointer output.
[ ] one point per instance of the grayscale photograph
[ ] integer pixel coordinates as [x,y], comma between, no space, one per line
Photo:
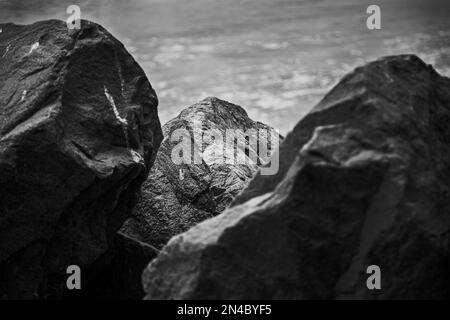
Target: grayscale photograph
[204,151]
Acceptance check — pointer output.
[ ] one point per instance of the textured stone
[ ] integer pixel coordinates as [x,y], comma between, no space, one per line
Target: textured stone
[79,131]
[177,196]
[364,180]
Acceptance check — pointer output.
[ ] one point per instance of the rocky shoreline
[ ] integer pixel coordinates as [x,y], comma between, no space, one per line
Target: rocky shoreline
[90,178]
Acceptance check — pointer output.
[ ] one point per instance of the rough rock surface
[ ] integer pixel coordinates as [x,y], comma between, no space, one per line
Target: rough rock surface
[177,196]
[79,131]
[364,180]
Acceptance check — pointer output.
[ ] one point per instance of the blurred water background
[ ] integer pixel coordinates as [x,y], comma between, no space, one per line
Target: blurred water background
[276,58]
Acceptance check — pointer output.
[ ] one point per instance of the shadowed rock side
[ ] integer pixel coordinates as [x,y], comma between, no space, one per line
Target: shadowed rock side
[364,180]
[79,131]
[175,197]
[117,274]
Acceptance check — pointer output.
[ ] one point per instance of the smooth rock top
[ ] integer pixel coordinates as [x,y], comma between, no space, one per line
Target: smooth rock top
[177,196]
[364,180]
[79,131]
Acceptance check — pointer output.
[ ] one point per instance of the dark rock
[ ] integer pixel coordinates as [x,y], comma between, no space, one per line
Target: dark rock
[117,274]
[176,197]
[364,180]
[79,131]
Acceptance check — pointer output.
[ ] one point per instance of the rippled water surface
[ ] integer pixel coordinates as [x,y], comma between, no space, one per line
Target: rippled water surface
[276,58]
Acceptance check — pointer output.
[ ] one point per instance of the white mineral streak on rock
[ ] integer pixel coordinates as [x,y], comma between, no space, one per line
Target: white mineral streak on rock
[122,121]
[181,174]
[6,51]
[122,82]
[119,71]
[137,157]
[33,47]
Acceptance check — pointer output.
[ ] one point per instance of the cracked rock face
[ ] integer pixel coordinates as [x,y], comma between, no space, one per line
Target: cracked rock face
[175,196]
[79,131]
[364,180]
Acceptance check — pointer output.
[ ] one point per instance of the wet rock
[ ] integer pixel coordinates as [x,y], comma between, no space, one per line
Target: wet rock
[79,131]
[177,196]
[364,180]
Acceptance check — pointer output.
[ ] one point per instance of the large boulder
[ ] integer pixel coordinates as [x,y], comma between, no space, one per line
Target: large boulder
[79,131]
[176,196]
[364,180]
